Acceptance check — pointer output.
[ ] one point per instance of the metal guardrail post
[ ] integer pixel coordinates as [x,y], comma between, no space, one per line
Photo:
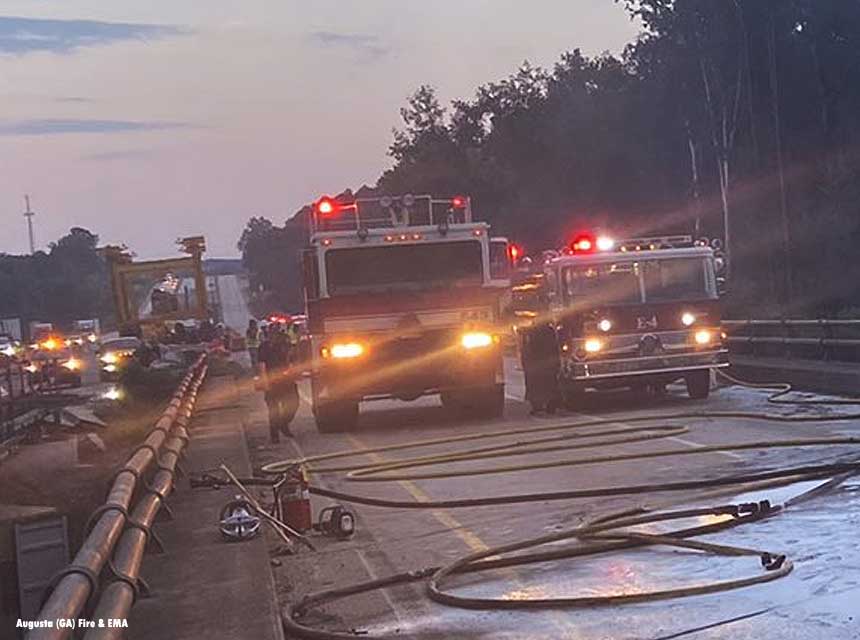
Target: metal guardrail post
[74,586]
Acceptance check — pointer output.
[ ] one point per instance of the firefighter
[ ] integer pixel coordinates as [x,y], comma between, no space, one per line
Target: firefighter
[252,341]
[540,362]
[278,381]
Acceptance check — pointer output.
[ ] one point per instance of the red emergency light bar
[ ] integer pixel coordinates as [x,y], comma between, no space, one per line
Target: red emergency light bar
[326,206]
[458,202]
[589,243]
[514,252]
[584,243]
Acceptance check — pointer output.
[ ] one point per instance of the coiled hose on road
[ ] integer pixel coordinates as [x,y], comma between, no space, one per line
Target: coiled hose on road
[595,537]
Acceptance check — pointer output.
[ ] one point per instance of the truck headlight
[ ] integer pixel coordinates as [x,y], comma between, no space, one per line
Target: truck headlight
[593,345]
[109,368]
[476,340]
[703,337]
[344,350]
[110,358]
[72,364]
[687,318]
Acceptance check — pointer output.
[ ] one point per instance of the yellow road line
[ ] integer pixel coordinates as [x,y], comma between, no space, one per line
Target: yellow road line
[471,539]
[565,626]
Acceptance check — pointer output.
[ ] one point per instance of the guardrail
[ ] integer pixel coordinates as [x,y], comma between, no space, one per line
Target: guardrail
[118,534]
[16,401]
[837,340]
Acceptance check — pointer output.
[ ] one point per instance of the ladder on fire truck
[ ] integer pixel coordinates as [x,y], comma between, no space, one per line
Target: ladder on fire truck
[361,214]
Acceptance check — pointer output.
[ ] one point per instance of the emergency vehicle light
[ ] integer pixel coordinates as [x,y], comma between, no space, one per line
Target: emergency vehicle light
[605,243]
[326,206]
[514,251]
[583,243]
[458,202]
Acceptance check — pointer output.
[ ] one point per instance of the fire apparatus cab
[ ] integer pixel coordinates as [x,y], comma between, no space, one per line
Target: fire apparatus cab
[640,313]
[403,299]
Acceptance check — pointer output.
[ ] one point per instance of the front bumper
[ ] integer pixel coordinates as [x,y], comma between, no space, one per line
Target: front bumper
[676,363]
[407,377]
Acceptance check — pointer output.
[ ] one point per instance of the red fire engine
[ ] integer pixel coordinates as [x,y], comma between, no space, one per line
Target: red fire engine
[640,313]
[403,299]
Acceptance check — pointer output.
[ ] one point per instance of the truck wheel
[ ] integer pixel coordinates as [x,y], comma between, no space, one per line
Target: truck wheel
[452,401]
[698,384]
[488,402]
[335,417]
[573,398]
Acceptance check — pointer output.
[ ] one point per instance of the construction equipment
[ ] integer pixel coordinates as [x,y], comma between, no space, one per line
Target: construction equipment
[148,294]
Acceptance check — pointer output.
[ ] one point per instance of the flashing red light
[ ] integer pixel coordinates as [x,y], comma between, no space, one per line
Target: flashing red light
[278,318]
[458,202]
[583,243]
[326,206]
[514,252]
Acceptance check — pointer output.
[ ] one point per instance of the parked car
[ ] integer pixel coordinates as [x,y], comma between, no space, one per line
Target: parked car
[114,355]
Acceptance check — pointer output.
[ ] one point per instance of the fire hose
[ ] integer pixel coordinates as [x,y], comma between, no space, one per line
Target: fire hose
[595,537]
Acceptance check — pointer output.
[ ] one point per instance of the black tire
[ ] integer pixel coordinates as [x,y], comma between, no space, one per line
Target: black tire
[336,417]
[572,398]
[451,401]
[698,384]
[491,401]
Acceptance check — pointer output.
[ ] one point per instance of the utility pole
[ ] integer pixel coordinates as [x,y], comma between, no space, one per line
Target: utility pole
[29,215]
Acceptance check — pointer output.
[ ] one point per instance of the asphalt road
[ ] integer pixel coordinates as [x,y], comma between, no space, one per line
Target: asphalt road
[818,600]
[233,305]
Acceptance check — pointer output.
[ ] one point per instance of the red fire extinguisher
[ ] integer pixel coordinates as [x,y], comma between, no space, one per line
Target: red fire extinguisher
[296,500]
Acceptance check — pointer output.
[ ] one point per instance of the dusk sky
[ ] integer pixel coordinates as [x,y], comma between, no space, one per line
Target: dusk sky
[146,121]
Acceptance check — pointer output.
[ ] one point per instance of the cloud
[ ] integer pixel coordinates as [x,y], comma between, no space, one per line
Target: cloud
[370,46]
[44,127]
[73,99]
[27,35]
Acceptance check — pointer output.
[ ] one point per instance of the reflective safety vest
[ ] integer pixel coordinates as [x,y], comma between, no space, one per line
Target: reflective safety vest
[252,339]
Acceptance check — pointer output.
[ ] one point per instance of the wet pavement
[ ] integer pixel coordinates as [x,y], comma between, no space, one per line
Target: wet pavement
[820,598]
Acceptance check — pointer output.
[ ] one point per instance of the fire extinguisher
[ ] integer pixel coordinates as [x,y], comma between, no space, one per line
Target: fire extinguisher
[296,500]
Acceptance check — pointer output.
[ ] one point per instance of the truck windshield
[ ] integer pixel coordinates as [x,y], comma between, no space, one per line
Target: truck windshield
[408,266]
[676,279]
[634,282]
[604,283]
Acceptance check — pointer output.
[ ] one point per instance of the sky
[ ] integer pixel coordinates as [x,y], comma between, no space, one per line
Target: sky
[148,121]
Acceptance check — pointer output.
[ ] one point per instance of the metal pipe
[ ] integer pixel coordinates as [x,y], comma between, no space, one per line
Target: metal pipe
[74,589]
[118,597]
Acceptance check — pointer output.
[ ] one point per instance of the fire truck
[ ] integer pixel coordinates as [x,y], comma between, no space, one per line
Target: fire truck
[404,298]
[641,313]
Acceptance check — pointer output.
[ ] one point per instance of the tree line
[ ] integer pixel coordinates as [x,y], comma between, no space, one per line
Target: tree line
[69,281]
[736,119]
